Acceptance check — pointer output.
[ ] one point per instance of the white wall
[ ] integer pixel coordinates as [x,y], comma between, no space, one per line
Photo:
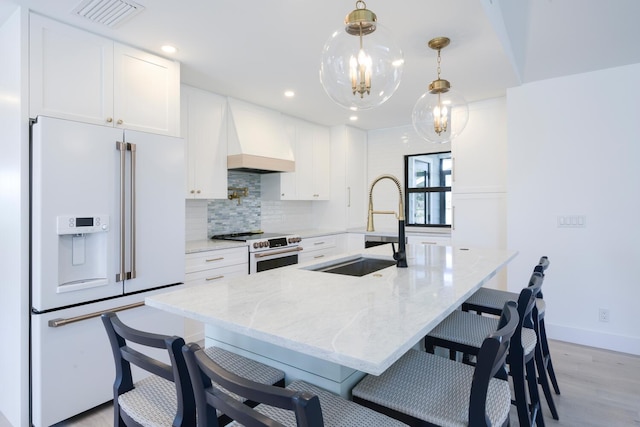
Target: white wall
[386,149]
[14,221]
[574,149]
[480,164]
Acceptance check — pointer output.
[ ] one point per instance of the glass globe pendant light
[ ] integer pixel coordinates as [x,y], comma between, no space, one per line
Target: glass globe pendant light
[441,113]
[361,65]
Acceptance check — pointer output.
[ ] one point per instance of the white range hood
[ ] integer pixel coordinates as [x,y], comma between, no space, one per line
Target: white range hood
[257,141]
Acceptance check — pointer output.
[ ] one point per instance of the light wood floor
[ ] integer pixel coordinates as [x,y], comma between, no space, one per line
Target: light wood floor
[599,388]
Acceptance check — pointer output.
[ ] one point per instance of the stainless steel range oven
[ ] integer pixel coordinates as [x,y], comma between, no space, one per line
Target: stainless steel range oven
[268,250]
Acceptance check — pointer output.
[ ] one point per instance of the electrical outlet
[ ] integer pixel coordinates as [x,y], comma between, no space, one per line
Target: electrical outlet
[603,315]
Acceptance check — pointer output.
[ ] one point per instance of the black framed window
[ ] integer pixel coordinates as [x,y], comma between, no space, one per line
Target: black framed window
[427,180]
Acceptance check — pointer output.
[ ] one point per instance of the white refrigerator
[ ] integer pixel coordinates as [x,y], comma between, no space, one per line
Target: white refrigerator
[107,229]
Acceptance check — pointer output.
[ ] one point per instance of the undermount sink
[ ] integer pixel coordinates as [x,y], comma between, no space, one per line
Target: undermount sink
[355,267]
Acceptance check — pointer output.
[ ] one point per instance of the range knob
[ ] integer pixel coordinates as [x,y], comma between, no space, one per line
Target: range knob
[256,245]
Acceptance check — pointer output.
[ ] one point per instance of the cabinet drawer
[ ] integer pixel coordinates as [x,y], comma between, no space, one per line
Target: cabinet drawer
[217,258]
[318,254]
[318,243]
[216,274]
[429,240]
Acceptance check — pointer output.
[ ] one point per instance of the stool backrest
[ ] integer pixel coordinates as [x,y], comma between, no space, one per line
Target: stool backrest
[491,363]
[527,299]
[119,334]
[203,370]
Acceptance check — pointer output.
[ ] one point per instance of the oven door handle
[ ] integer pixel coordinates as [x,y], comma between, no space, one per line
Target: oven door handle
[284,251]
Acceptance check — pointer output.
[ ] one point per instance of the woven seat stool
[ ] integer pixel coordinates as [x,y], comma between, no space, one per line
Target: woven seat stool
[165,398]
[464,332]
[298,404]
[425,389]
[489,301]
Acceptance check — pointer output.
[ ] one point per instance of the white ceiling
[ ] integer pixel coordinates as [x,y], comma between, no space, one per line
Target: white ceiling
[256,49]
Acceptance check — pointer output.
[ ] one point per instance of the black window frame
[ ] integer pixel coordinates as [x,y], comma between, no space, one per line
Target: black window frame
[426,190]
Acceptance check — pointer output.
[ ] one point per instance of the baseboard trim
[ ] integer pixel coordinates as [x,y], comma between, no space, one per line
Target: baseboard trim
[621,343]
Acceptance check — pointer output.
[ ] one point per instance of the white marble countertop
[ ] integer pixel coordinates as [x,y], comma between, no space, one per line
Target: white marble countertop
[365,323]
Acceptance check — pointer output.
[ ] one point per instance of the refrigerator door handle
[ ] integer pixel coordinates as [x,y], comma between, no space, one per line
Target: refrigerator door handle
[132,148]
[122,147]
[55,323]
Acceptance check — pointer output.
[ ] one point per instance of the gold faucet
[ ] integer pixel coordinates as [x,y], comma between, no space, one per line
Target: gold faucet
[401,255]
[237,193]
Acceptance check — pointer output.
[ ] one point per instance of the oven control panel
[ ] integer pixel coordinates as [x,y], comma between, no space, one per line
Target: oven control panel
[278,242]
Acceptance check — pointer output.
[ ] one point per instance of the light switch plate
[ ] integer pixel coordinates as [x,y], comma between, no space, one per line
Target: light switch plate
[572,221]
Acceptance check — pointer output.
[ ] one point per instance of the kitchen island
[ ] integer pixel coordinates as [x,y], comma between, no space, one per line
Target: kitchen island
[331,329]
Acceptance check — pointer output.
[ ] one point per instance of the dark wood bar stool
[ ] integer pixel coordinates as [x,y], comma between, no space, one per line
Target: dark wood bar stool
[299,404]
[424,389]
[489,301]
[464,332]
[164,398]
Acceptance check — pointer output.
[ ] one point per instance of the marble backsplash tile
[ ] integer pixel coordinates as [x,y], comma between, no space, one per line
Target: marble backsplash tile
[206,218]
[230,216]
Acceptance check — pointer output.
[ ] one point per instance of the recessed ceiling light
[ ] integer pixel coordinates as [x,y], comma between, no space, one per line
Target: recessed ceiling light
[167,48]
[289,93]
[353,118]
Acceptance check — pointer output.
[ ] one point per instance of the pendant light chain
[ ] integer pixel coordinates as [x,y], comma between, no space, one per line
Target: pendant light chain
[441,113]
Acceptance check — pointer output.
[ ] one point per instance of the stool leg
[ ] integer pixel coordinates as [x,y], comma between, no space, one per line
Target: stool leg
[535,407]
[543,381]
[547,357]
[516,371]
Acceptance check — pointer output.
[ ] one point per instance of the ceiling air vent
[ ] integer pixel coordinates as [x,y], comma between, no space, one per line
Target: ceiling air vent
[107,12]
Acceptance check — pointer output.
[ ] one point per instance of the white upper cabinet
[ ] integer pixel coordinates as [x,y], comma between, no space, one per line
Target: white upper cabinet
[347,177]
[80,76]
[146,91]
[313,149]
[204,128]
[310,181]
[356,176]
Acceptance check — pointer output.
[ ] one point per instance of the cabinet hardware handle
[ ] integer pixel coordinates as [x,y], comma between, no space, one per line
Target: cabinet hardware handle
[453,218]
[54,323]
[134,198]
[198,192]
[215,259]
[319,256]
[213,278]
[119,121]
[428,243]
[109,119]
[122,147]
[319,243]
[192,191]
[284,251]
[348,197]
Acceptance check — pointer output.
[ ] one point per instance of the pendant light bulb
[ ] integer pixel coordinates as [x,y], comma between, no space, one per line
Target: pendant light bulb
[441,113]
[361,65]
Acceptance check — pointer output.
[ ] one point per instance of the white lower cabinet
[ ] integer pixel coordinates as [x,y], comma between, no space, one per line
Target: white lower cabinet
[355,242]
[428,239]
[210,267]
[316,248]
